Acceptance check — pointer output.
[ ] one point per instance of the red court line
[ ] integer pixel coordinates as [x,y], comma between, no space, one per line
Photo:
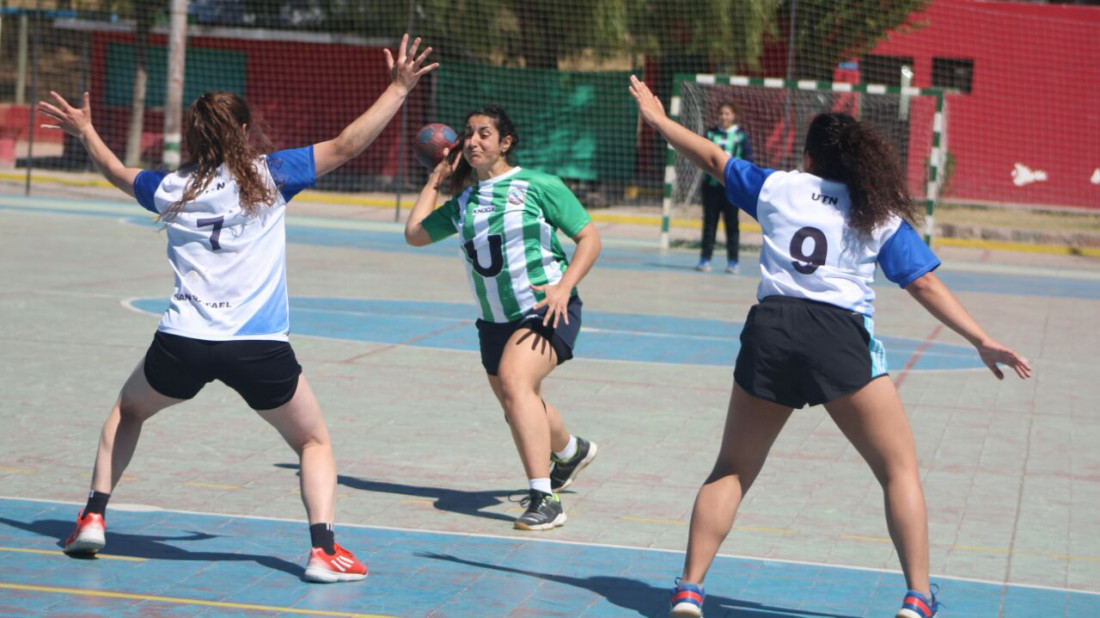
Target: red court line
[916,355]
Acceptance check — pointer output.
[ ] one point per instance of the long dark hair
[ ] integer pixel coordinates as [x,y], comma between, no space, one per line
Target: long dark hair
[464,175]
[845,149]
[213,136]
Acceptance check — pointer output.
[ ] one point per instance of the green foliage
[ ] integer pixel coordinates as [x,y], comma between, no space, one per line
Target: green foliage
[828,32]
[531,33]
[726,35]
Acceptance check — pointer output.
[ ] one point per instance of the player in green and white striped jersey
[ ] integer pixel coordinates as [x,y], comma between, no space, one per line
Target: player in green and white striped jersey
[525,288]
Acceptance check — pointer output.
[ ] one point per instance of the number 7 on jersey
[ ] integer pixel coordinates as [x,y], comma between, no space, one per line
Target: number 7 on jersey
[215,233]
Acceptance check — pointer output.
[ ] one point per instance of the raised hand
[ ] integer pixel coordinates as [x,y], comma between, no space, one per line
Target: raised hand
[408,67]
[68,118]
[648,105]
[449,163]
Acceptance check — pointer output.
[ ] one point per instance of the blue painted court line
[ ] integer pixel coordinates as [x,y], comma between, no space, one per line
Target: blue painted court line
[196,563]
[604,336]
[613,257]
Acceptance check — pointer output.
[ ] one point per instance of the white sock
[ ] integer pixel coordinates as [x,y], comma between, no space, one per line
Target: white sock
[570,449]
[542,485]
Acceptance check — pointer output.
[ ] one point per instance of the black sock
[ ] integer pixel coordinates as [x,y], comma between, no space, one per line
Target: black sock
[321,535]
[97,502]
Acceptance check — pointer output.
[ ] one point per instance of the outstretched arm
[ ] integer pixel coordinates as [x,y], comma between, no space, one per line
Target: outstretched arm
[405,71]
[703,153]
[78,123]
[941,303]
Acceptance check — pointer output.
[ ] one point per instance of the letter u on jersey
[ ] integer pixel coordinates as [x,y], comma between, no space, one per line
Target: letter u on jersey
[496,256]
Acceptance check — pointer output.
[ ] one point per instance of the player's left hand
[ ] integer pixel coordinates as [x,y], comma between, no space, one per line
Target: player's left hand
[994,354]
[556,301]
[408,67]
[649,106]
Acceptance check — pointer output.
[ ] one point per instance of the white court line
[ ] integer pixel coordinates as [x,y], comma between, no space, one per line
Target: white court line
[535,539]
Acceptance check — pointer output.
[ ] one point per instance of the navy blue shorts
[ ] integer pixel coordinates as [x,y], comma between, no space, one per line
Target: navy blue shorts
[265,373]
[796,352]
[494,335]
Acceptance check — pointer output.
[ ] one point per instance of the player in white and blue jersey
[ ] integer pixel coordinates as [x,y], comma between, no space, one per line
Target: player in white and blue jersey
[530,312]
[811,337]
[228,316]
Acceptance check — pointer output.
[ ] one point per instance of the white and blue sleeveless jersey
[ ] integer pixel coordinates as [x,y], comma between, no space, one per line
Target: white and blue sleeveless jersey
[810,251]
[230,266]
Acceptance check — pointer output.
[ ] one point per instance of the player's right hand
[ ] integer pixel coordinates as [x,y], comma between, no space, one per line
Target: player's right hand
[68,118]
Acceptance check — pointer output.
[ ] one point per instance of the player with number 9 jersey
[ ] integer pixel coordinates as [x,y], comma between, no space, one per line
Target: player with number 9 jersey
[809,250]
[810,339]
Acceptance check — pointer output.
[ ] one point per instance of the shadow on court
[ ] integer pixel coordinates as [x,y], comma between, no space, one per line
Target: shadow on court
[450,500]
[153,547]
[640,597]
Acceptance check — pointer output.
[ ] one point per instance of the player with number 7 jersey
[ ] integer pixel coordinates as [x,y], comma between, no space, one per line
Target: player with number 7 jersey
[228,317]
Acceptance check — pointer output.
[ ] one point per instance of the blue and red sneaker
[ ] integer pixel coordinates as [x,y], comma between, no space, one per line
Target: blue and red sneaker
[686,601]
[916,605]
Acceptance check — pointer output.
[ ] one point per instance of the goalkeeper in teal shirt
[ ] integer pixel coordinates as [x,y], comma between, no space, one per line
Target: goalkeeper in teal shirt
[732,139]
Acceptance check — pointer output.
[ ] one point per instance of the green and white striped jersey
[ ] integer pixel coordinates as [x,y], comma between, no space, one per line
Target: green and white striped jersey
[509,237]
[734,141]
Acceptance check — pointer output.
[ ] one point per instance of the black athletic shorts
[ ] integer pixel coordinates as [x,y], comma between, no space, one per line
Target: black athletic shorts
[265,373]
[494,335]
[796,352]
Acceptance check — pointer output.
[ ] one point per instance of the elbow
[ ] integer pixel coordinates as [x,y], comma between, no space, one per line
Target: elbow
[922,285]
[717,165]
[343,147]
[414,239]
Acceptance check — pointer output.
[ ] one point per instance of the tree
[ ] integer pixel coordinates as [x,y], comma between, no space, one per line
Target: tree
[727,33]
[828,32]
[530,33]
[145,14]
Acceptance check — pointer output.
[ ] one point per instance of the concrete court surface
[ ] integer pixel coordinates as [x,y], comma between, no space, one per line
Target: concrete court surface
[208,520]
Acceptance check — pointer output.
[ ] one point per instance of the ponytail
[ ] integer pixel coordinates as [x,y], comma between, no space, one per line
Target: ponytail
[219,130]
[846,150]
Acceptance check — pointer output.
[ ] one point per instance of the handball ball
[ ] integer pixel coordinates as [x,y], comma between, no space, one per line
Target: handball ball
[430,142]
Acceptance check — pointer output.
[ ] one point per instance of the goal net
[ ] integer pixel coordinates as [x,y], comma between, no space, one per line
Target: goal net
[776,113]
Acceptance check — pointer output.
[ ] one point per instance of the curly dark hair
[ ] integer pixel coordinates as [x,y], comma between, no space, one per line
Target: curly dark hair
[463,175]
[844,149]
[214,135]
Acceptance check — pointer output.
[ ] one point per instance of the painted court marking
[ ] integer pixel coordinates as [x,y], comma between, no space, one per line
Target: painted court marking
[236,563]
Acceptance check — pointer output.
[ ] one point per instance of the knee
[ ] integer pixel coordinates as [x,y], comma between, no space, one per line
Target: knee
[894,473]
[513,390]
[730,467]
[131,411]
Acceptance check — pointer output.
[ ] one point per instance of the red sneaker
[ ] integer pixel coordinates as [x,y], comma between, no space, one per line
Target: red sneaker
[89,535]
[339,567]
